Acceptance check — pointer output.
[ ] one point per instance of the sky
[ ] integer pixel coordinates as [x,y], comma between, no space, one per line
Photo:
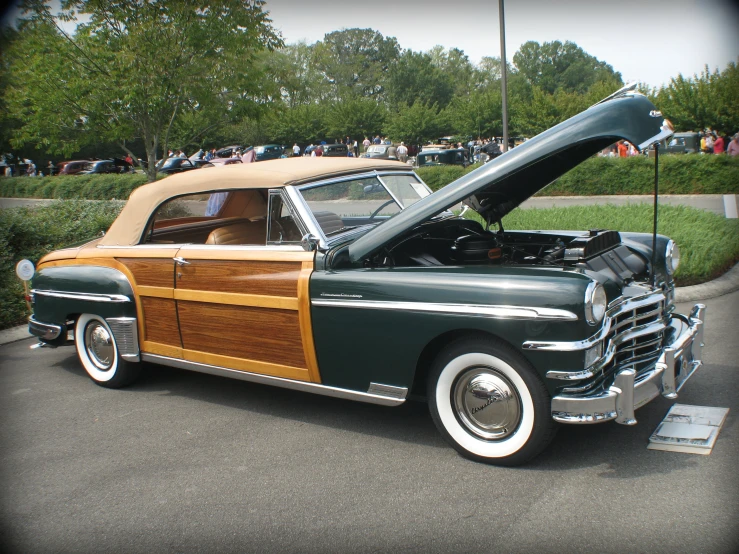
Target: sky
[649,41]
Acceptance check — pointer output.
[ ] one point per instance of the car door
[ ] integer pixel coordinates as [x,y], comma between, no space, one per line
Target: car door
[243,301]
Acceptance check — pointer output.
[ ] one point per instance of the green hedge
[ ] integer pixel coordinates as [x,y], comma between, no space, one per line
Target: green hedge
[32,232]
[85,187]
[689,174]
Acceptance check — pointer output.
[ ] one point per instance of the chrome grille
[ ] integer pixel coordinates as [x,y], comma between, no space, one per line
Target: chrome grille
[126,336]
[637,333]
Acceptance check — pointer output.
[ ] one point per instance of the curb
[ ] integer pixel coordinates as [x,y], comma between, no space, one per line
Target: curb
[728,282]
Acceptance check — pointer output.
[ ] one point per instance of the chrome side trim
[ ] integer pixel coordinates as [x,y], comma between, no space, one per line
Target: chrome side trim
[45,331]
[383,400]
[89,296]
[305,214]
[500,312]
[614,312]
[388,390]
[126,337]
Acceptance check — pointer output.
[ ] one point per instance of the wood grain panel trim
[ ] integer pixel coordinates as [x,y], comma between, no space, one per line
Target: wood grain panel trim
[253,333]
[254,366]
[156,292]
[161,349]
[306,328]
[256,300]
[129,252]
[161,321]
[114,264]
[240,276]
[223,253]
[156,272]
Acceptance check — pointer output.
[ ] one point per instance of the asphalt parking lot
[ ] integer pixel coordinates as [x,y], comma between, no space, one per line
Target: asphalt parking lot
[185,462]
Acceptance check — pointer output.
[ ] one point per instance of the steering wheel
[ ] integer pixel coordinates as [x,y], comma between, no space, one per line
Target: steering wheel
[378,210]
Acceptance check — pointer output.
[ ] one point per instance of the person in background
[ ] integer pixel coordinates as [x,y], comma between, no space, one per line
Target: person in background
[733,149]
[718,145]
[377,140]
[208,155]
[355,147]
[403,152]
[366,142]
[623,150]
[709,143]
[296,150]
[392,152]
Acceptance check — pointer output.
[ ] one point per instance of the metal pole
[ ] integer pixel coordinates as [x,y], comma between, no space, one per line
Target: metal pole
[503,77]
[654,228]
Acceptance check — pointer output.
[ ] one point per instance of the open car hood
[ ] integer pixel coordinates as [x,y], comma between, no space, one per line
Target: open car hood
[498,187]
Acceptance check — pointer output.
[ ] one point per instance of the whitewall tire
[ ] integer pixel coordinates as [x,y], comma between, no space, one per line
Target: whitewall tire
[98,353]
[489,403]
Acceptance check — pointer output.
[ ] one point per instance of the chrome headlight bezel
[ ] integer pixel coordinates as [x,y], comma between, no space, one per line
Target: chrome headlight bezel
[595,303]
[672,257]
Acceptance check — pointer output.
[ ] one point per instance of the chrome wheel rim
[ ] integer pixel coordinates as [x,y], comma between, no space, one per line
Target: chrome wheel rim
[486,403]
[99,346]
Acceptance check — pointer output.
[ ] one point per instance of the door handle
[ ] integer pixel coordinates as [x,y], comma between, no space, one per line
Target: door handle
[181,261]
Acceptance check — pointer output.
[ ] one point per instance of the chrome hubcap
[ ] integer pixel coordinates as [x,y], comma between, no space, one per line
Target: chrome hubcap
[486,403]
[99,346]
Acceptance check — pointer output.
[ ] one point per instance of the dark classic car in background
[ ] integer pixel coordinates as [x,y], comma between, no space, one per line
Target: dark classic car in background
[268,152]
[447,156]
[347,277]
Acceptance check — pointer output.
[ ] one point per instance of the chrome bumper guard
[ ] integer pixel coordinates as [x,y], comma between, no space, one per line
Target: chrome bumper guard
[675,366]
[44,331]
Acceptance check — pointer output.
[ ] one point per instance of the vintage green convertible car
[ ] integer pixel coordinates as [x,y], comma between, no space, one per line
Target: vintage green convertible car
[347,277]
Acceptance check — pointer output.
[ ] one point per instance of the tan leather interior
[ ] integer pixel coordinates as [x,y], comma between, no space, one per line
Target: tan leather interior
[246,204]
[245,232]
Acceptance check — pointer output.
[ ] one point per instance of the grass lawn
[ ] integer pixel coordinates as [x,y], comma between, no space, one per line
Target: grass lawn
[709,243]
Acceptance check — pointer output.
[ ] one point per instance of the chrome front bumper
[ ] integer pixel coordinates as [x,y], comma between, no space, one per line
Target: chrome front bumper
[44,331]
[675,366]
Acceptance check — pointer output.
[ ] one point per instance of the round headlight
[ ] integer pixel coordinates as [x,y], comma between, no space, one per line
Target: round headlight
[595,303]
[672,257]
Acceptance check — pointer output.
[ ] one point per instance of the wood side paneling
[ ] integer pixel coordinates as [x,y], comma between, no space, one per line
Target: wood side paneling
[256,254]
[253,366]
[160,318]
[232,299]
[262,334]
[306,327]
[151,272]
[246,277]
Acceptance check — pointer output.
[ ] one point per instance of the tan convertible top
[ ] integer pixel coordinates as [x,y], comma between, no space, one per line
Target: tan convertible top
[127,228]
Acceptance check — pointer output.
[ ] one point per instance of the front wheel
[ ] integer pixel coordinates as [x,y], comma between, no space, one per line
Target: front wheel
[489,403]
[99,355]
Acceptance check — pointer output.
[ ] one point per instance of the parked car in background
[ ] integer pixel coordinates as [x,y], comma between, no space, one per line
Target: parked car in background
[682,143]
[221,162]
[380,151]
[72,167]
[337,150]
[268,152]
[107,166]
[349,278]
[451,156]
[178,165]
[227,151]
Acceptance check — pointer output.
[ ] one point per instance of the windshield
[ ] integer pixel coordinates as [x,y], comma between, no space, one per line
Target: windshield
[172,162]
[344,205]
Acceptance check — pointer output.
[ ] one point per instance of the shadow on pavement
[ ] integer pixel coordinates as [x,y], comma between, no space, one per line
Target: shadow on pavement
[622,449]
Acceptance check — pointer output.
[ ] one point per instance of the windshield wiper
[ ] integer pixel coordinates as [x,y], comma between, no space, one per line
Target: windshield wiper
[342,230]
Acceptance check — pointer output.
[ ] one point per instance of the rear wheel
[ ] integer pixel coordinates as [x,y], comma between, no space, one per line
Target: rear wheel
[489,403]
[98,353]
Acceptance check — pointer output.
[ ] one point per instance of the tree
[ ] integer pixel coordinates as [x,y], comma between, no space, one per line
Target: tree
[552,66]
[457,68]
[355,116]
[415,124]
[303,123]
[355,61]
[414,77]
[479,115]
[136,69]
[704,101]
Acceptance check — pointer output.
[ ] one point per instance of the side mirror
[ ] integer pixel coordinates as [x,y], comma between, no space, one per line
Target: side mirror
[310,242]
